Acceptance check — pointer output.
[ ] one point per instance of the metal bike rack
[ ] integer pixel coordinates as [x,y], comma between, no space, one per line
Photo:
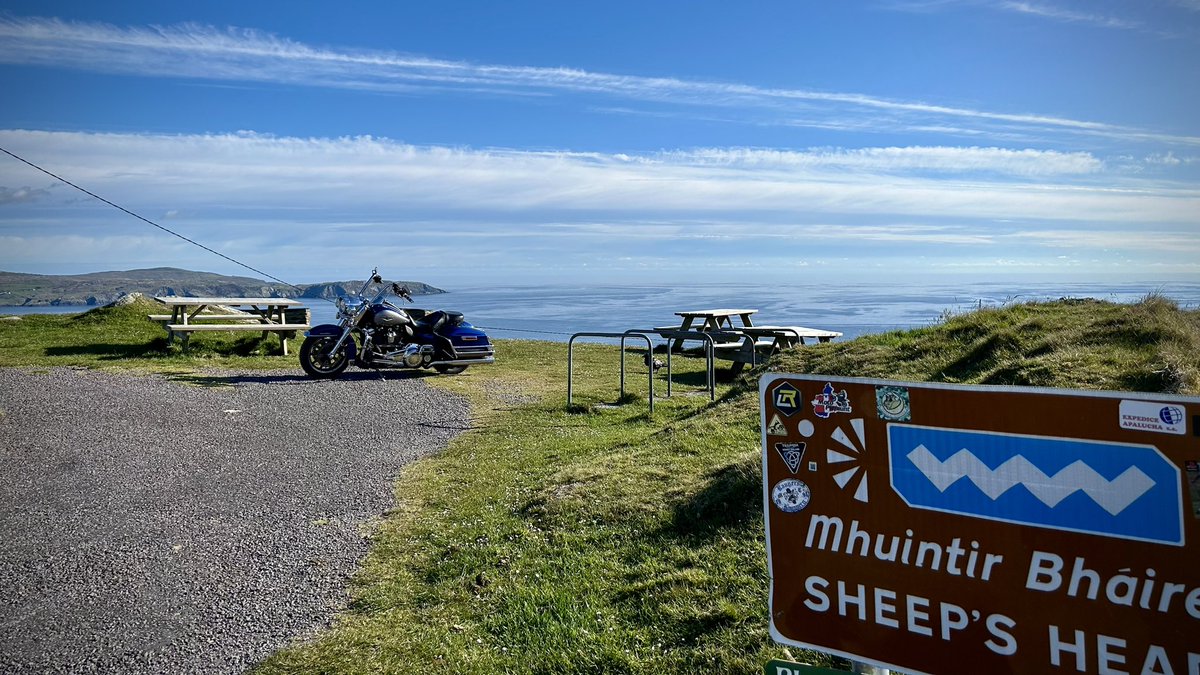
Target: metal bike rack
[623,337]
[709,349]
[644,334]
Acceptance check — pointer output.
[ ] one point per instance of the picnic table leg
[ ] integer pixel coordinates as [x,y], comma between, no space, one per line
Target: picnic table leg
[677,344]
[193,315]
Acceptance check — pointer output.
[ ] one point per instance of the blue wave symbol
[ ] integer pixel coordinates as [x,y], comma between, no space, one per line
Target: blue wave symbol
[1111,489]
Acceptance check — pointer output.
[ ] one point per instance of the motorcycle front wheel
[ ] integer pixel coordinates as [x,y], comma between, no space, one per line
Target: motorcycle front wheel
[317,357]
[449,370]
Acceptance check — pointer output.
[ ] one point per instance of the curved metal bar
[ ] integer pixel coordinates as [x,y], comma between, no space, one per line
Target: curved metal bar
[752,343]
[623,337]
[782,329]
[681,336]
[793,331]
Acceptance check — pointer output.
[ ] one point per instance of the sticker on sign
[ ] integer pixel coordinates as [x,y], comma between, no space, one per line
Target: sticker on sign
[1012,529]
[1165,418]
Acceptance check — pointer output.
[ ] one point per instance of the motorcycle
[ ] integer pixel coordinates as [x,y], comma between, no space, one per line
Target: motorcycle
[374,333]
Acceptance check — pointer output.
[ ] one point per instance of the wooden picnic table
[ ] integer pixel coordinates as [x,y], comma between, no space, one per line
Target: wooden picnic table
[730,338]
[268,315]
[715,319]
[710,321]
[788,336]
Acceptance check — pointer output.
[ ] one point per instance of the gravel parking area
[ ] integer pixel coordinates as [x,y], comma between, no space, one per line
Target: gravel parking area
[159,526]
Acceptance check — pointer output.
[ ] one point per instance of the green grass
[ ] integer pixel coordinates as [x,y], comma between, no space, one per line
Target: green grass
[1084,344]
[122,337]
[604,539]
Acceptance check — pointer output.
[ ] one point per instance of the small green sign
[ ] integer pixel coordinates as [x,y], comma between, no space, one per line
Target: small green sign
[777,667]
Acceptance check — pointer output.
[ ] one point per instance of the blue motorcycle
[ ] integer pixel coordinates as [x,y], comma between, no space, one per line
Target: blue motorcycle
[374,333]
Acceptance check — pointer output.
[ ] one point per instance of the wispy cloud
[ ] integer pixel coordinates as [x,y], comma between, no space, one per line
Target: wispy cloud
[1121,241]
[20,195]
[380,176]
[936,159]
[1126,17]
[206,52]
[325,204]
[1069,15]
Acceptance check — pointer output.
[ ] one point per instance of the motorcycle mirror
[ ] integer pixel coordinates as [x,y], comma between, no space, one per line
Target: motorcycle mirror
[377,279]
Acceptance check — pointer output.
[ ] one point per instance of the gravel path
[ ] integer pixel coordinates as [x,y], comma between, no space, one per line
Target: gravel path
[154,526]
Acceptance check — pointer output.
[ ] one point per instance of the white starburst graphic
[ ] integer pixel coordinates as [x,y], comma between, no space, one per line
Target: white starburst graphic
[853,460]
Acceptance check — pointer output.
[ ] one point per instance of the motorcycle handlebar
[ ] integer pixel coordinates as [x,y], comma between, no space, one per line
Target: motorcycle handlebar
[397,289]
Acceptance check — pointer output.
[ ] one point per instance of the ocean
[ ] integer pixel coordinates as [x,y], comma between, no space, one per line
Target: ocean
[555,312]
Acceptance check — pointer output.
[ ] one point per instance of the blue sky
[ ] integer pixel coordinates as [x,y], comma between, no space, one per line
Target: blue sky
[471,143]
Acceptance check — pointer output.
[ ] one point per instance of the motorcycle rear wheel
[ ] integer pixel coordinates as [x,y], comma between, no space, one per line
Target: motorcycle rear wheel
[450,370]
[317,359]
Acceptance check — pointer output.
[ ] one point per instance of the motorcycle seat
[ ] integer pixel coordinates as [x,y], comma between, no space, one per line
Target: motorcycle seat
[439,321]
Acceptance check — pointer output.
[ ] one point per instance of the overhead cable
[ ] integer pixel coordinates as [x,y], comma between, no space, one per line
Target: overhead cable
[147,220]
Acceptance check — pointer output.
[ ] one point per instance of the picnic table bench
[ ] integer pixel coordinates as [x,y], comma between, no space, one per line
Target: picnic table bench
[730,339]
[268,315]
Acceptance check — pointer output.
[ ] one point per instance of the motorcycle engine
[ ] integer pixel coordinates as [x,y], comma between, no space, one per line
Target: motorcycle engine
[416,355]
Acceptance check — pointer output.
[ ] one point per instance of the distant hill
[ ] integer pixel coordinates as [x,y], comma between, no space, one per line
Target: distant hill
[101,288]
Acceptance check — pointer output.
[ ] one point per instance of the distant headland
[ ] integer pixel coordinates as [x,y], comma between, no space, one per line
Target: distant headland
[101,288]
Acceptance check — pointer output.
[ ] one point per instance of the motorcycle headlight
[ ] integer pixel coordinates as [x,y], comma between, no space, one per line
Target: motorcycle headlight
[349,308]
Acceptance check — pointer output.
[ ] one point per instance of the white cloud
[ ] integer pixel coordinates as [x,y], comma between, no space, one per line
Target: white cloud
[1170,159]
[1025,162]
[21,194]
[1063,14]
[205,52]
[312,178]
[1137,240]
[350,202]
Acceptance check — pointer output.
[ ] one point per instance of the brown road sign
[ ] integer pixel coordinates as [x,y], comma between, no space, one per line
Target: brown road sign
[949,529]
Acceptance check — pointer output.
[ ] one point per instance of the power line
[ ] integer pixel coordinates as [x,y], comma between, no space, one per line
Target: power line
[523,330]
[146,220]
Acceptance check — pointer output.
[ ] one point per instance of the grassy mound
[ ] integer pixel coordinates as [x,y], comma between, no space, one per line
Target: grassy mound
[606,541]
[1083,344]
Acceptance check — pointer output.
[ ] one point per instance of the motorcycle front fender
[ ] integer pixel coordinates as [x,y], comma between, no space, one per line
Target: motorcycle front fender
[332,330]
[323,329]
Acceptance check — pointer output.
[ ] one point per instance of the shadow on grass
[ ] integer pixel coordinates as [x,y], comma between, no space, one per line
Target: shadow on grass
[732,498]
[698,380]
[156,348]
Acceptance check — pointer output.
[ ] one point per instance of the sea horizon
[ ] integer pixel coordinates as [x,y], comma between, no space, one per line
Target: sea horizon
[555,312]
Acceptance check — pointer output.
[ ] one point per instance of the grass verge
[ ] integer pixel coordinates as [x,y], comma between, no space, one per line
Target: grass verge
[122,337]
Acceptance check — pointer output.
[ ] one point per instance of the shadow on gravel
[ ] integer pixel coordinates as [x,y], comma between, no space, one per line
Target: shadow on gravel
[202,380]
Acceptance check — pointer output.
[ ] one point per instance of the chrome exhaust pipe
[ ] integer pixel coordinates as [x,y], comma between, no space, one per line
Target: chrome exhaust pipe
[465,362]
